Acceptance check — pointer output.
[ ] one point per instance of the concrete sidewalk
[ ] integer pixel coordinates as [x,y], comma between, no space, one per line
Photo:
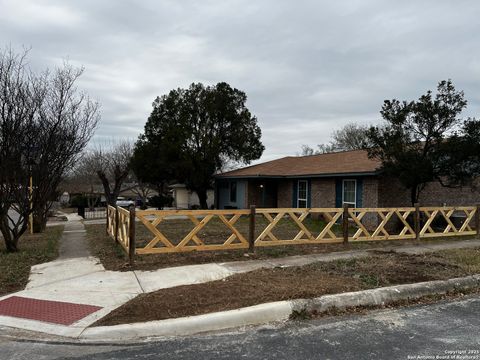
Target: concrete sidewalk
[76,279]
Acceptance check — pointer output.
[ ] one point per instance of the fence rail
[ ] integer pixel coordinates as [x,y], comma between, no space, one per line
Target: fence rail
[209,230]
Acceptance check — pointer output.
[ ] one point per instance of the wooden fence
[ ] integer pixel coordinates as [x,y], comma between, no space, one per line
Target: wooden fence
[198,230]
[121,227]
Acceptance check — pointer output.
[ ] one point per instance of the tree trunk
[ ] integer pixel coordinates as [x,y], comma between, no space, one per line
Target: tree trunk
[144,202]
[39,222]
[10,240]
[414,195]
[112,195]
[202,197]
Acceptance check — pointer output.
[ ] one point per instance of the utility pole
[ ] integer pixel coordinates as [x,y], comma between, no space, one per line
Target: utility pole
[30,217]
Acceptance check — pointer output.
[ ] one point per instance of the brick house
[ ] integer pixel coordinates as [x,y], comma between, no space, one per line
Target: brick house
[326,180]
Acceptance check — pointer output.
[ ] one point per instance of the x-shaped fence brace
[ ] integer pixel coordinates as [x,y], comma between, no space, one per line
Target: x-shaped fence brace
[111,220]
[192,241]
[445,214]
[304,235]
[370,224]
[380,232]
[124,228]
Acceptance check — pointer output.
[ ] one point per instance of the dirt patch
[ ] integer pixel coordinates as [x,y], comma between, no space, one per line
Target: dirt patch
[266,285]
[391,268]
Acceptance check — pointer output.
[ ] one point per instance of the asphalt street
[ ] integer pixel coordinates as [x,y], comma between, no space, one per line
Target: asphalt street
[445,330]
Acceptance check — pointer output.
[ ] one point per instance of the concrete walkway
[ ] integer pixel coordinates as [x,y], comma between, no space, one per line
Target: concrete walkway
[77,279]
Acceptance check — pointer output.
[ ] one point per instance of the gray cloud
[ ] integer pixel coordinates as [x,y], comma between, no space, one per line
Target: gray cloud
[308,67]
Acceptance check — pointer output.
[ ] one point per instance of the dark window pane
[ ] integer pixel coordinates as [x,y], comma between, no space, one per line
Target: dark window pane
[233,192]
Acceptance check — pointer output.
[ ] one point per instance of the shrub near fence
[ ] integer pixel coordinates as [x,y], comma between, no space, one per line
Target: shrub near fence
[173,231]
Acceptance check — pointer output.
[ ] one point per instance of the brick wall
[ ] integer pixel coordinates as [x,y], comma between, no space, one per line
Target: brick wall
[393,194]
[284,195]
[370,192]
[323,192]
[437,195]
[370,199]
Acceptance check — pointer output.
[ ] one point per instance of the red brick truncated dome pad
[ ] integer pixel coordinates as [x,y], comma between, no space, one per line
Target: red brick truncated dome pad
[56,312]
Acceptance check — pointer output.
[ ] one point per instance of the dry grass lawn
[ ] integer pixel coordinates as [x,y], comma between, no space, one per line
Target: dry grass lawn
[34,249]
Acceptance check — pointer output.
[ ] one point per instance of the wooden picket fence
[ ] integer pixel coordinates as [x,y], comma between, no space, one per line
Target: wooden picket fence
[247,229]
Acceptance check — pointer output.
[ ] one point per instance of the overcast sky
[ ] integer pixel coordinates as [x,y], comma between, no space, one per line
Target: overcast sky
[308,67]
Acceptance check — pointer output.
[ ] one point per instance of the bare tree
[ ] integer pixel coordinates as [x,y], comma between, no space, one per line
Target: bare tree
[111,165]
[18,108]
[143,191]
[83,179]
[351,137]
[45,122]
[67,120]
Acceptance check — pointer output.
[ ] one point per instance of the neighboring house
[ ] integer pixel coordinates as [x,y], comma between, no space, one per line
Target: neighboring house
[326,180]
[186,199]
[131,191]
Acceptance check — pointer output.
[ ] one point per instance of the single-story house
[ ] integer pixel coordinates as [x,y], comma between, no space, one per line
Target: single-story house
[187,199]
[326,180]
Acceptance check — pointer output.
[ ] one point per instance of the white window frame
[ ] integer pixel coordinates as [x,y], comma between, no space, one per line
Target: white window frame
[343,193]
[306,194]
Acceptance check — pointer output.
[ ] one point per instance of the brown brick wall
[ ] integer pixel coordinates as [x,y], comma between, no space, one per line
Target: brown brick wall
[370,199]
[323,192]
[370,192]
[393,194]
[437,195]
[284,195]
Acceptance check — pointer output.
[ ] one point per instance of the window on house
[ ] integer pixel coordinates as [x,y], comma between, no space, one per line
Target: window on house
[302,194]
[350,192]
[233,191]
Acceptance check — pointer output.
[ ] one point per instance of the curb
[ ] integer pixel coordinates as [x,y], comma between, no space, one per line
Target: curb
[275,311]
[381,296]
[257,314]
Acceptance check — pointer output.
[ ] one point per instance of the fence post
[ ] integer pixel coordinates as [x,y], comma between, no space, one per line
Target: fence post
[416,221]
[251,229]
[477,219]
[131,236]
[345,224]
[106,229]
[116,223]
